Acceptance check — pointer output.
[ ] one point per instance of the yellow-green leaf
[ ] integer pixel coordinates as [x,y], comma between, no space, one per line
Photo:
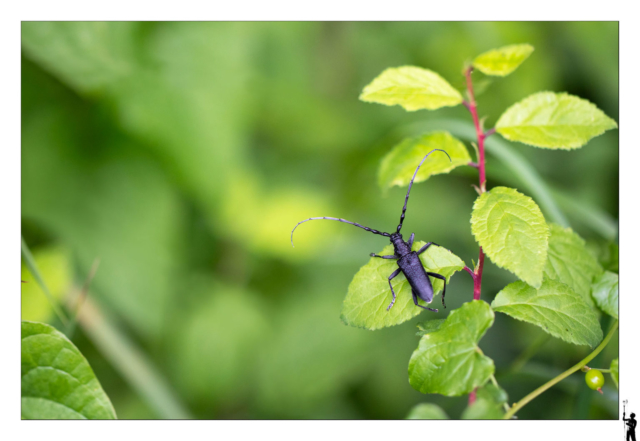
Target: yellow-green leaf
[449,361]
[569,261]
[605,293]
[369,295]
[554,121]
[554,307]
[502,61]
[413,88]
[511,230]
[398,166]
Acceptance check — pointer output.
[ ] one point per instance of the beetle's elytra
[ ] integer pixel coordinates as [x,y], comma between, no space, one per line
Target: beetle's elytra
[408,261]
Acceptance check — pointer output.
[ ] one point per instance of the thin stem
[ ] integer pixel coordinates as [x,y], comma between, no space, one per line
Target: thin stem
[71,327]
[473,108]
[495,383]
[519,405]
[606,371]
[33,269]
[489,132]
[129,360]
[526,355]
[470,271]
[477,281]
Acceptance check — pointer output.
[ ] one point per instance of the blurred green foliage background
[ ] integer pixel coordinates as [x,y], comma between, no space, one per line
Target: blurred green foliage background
[182,154]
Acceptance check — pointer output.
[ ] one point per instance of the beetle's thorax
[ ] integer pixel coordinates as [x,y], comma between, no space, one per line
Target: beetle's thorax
[401,247]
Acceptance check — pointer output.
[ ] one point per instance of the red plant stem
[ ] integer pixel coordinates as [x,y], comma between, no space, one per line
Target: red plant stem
[473,109]
[472,397]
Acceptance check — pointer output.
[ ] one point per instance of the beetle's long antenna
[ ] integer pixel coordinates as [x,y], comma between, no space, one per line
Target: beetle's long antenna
[340,220]
[406,199]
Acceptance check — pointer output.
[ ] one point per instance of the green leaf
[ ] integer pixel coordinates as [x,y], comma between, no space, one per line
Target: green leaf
[554,307]
[554,121]
[369,295]
[607,254]
[427,411]
[57,381]
[429,326]
[488,404]
[512,231]
[449,361]
[399,165]
[614,371]
[502,61]
[569,261]
[87,55]
[413,88]
[605,293]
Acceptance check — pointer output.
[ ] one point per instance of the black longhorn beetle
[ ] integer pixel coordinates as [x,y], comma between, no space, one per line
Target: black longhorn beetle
[408,261]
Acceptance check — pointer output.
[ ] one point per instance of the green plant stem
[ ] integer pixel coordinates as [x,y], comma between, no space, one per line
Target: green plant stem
[130,361]
[33,269]
[526,355]
[598,220]
[520,404]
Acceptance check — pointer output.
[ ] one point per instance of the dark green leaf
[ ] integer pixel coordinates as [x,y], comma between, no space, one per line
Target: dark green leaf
[87,55]
[614,371]
[488,404]
[427,411]
[605,293]
[569,261]
[57,381]
[448,361]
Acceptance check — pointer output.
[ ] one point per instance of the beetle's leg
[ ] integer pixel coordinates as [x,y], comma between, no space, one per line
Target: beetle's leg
[424,248]
[383,257]
[393,274]
[415,300]
[413,235]
[444,280]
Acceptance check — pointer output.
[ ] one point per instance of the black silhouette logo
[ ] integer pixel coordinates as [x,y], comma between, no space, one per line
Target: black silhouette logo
[630,423]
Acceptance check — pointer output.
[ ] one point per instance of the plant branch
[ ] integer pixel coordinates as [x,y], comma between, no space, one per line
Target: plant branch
[473,109]
[522,170]
[470,271]
[519,405]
